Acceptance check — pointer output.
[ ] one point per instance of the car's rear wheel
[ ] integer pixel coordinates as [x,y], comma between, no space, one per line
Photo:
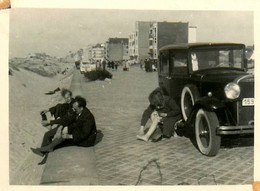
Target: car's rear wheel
[206,123]
[189,96]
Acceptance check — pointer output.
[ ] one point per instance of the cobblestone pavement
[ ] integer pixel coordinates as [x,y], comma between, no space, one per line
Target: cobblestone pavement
[122,160]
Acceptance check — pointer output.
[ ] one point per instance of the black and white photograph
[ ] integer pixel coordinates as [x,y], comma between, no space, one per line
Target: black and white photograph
[120,97]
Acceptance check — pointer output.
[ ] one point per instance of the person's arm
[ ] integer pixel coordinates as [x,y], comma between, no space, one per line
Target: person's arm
[146,115]
[82,129]
[65,120]
[52,110]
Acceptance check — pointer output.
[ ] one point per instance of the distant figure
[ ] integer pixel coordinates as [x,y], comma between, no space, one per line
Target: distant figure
[104,64]
[163,111]
[109,65]
[126,66]
[112,65]
[116,65]
[82,132]
[146,65]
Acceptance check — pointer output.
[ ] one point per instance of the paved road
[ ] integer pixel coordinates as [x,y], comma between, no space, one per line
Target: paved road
[122,160]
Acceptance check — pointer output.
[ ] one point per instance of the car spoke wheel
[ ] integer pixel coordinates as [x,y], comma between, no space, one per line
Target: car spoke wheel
[205,131]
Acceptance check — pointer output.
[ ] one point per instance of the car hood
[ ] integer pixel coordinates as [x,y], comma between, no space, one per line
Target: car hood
[219,75]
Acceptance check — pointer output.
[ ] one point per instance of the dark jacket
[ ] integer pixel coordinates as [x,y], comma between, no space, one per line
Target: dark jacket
[83,129]
[63,114]
[170,107]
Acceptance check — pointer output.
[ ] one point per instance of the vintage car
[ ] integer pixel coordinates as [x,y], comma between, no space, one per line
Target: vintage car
[210,83]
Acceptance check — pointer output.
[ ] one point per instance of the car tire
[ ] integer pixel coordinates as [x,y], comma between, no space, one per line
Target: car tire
[189,96]
[208,141]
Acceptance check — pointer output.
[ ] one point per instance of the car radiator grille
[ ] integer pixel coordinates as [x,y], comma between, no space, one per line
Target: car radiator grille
[245,114]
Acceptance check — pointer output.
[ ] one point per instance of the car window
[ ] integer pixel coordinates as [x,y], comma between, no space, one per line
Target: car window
[179,63]
[217,58]
[164,62]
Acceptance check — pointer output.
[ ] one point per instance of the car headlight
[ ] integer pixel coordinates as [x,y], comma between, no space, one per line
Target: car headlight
[232,90]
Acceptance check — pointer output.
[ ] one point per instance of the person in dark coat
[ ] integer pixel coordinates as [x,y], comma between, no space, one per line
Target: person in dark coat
[61,109]
[82,132]
[163,111]
[104,63]
[63,114]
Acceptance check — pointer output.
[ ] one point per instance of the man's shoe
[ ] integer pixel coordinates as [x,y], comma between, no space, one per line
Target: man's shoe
[37,151]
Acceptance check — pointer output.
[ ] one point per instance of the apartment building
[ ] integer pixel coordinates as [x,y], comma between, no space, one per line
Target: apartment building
[150,36]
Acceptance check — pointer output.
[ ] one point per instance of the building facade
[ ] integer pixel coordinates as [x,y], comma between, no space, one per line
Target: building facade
[117,49]
[98,53]
[150,36]
[165,33]
[192,34]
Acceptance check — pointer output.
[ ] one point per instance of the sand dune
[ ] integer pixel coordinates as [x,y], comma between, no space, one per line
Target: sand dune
[26,100]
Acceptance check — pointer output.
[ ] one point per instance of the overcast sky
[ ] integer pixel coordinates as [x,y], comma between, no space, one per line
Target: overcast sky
[58,31]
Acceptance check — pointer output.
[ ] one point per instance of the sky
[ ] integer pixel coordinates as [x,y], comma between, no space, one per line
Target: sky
[58,31]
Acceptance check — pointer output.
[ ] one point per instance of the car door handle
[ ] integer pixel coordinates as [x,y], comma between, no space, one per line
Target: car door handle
[168,77]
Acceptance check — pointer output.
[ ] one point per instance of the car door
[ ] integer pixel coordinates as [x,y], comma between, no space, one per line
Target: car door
[164,71]
[178,73]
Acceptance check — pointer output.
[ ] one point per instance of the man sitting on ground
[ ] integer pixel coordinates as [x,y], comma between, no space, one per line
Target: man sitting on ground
[82,132]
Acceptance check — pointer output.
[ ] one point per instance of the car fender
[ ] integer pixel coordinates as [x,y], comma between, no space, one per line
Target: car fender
[209,103]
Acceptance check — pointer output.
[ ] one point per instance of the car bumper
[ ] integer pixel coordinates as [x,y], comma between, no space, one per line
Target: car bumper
[235,130]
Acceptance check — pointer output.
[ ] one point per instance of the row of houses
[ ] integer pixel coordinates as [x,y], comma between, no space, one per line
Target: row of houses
[141,44]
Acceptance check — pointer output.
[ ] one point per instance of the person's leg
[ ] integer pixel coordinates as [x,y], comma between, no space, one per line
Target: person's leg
[47,139]
[155,120]
[52,145]
[168,126]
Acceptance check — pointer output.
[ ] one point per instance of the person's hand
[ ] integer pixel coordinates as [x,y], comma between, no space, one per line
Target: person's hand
[163,114]
[45,111]
[64,133]
[45,123]
[65,130]
[57,135]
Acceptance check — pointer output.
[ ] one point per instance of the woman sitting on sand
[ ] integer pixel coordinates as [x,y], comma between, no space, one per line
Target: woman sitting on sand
[163,111]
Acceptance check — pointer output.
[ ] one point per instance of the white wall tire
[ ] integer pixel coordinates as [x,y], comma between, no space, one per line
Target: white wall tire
[189,96]
[205,132]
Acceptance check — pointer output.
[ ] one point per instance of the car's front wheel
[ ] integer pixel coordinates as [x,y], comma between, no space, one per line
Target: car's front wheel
[208,141]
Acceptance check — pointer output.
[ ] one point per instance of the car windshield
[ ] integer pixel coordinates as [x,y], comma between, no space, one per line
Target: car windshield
[217,58]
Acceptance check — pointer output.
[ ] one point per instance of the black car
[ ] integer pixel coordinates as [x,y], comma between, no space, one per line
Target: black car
[210,83]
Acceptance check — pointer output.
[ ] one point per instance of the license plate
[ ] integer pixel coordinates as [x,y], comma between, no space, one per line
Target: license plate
[248,101]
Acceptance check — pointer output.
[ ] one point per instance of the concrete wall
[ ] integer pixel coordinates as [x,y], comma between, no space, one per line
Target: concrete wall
[192,34]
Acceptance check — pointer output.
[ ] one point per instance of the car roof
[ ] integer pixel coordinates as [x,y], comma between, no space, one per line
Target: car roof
[201,44]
